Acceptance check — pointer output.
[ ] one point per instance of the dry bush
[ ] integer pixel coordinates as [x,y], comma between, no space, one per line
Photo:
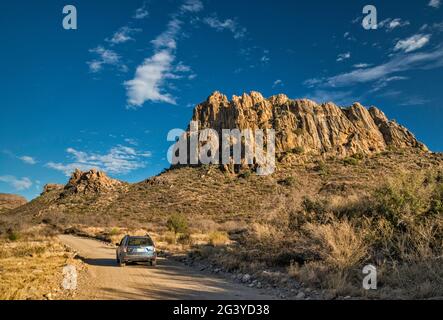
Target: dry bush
[232,225]
[338,243]
[218,238]
[204,225]
[169,237]
[265,232]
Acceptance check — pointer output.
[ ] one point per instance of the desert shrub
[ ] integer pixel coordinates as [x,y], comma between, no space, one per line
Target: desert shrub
[312,210]
[177,223]
[288,181]
[14,235]
[204,225]
[169,237]
[245,174]
[298,150]
[436,204]
[185,238]
[322,168]
[338,243]
[313,205]
[350,161]
[358,156]
[218,238]
[402,201]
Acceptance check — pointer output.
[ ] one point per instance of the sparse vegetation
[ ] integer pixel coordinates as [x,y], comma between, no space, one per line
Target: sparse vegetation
[245,174]
[322,168]
[13,235]
[31,267]
[288,181]
[177,223]
[298,150]
[398,227]
[383,210]
[350,161]
[217,238]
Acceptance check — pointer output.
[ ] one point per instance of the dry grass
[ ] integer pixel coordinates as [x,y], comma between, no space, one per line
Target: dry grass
[337,243]
[30,268]
[218,238]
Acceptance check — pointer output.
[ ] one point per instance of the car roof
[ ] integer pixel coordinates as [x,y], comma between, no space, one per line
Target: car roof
[139,237]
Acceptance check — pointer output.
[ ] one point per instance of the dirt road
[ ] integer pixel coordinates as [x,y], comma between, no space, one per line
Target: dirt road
[169,280]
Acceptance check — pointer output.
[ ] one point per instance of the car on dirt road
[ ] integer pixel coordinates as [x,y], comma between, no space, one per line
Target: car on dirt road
[136,249]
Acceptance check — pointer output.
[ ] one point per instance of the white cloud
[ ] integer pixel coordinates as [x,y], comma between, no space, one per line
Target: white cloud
[343,56]
[412,43]
[396,23]
[141,12]
[265,58]
[398,63]
[131,141]
[414,101]
[105,57]
[228,24]
[348,36]
[382,83]
[391,24]
[434,3]
[152,75]
[361,65]
[124,34]
[192,6]
[181,67]
[277,83]
[118,160]
[16,183]
[149,80]
[28,159]
[338,97]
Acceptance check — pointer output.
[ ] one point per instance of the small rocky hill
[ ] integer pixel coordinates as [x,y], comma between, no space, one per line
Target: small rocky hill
[10,201]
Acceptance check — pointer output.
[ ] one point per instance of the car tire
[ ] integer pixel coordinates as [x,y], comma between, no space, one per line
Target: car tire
[153,263]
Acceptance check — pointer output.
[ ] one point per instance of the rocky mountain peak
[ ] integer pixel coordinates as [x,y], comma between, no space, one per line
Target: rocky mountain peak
[92,181]
[302,124]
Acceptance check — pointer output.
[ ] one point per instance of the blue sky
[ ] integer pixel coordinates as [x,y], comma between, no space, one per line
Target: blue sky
[106,95]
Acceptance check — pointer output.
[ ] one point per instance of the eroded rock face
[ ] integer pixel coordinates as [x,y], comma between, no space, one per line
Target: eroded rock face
[52,187]
[91,181]
[317,129]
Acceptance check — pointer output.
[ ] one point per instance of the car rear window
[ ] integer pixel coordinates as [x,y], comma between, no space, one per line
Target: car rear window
[135,242]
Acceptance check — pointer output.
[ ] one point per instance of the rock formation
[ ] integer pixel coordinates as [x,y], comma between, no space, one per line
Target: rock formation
[303,125]
[91,182]
[52,187]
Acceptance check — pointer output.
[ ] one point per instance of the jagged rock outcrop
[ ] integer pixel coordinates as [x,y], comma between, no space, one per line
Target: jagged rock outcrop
[52,187]
[91,182]
[10,201]
[317,129]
